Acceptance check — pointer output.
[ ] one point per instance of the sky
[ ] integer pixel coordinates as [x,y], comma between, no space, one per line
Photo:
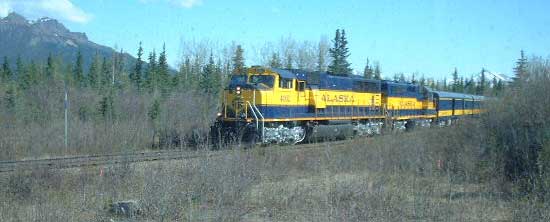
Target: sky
[429,37]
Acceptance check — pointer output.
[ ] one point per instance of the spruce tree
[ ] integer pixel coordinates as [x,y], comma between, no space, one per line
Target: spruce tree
[377,73]
[23,74]
[19,68]
[368,71]
[10,99]
[275,61]
[106,69]
[162,71]
[334,52]
[289,61]
[136,74]
[209,81]
[151,76]
[78,70]
[321,58]
[238,61]
[94,72]
[50,67]
[521,70]
[494,86]
[402,77]
[339,53]
[456,83]
[34,73]
[461,85]
[184,73]
[344,50]
[28,74]
[6,71]
[480,89]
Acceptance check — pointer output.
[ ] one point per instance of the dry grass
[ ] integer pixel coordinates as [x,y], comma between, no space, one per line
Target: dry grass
[35,128]
[366,179]
[489,169]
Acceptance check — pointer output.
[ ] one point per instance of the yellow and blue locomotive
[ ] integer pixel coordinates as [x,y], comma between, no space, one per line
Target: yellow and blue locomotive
[269,105]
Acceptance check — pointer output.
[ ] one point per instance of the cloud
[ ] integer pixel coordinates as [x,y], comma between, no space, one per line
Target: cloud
[188,3]
[4,8]
[59,9]
[181,3]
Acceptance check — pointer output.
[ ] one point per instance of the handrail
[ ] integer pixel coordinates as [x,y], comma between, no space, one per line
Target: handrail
[261,115]
[263,121]
[253,113]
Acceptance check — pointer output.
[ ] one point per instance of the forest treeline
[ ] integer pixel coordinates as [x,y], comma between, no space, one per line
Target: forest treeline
[200,69]
[112,99]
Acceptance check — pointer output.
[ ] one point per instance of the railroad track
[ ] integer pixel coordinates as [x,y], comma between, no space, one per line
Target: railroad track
[113,159]
[97,160]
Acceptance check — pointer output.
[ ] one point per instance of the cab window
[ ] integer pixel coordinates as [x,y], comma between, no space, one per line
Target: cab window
[285,83]
[267,81]
[301,86]
[237,80]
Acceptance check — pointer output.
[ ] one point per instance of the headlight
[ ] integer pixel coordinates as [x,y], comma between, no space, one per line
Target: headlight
[238,90]
[219,114]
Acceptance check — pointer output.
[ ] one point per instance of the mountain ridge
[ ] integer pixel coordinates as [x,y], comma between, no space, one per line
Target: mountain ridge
[36,40]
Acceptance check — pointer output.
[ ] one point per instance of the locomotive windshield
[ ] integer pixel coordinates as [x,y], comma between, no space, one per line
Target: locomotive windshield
[237,80]
[264,80]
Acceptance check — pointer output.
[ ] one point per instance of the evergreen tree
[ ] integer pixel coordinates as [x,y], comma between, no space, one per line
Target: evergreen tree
[289,61]
[321,57]
[275,61]
[10,99]
[480,89]
[106,107]
[377,73]
[209,81]
[499,87]
[184,73]
[78,70]
[470,85]
[28,74]
[23,74]
[34,73]
[151,76]
[19,68]
[461,85]
[344,52]
[521,69]
[456,82]
[494,86]
[368,71]
[50,67]
[106,70]
[162,71]
[94,72]
[334,52]
[136,75]
[238,61]
[6,71]
[422,81]
[402,77]
[339,54]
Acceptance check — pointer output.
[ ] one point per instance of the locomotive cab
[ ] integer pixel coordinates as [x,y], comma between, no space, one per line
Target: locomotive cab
[259,102]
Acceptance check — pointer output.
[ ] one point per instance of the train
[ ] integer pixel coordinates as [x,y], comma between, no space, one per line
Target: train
[289,106]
